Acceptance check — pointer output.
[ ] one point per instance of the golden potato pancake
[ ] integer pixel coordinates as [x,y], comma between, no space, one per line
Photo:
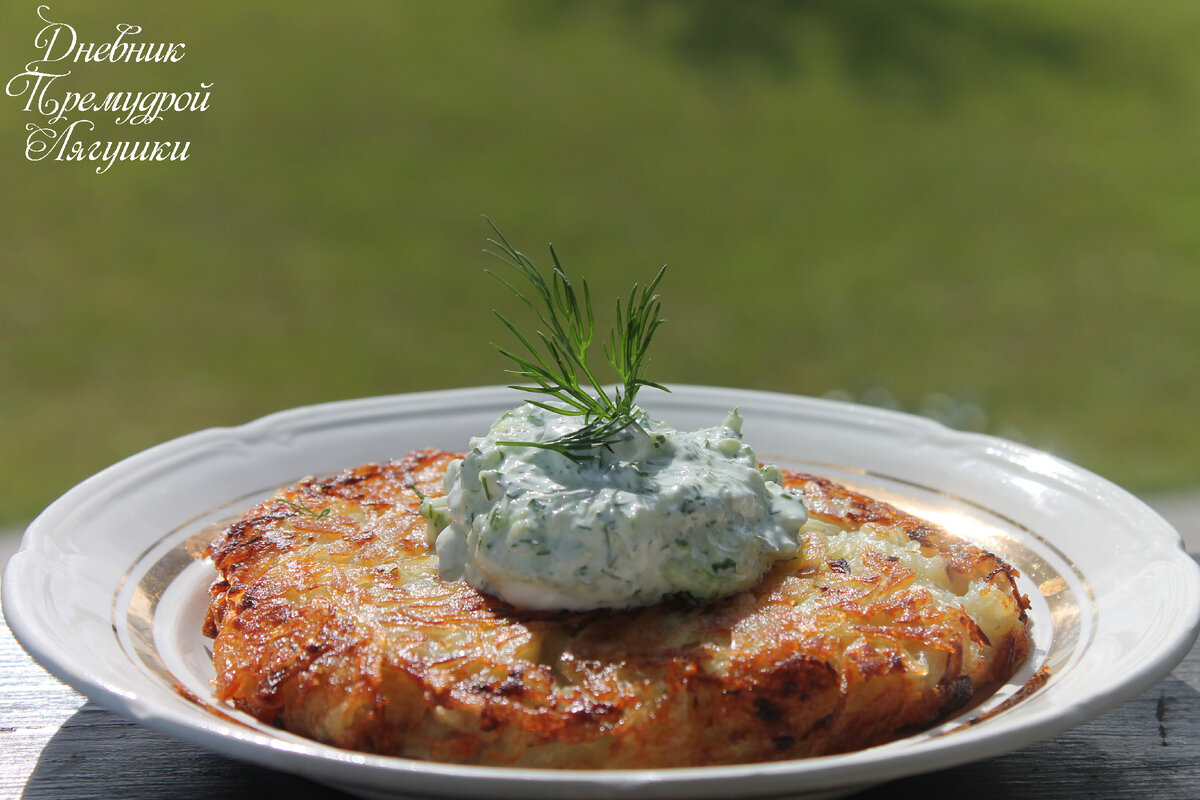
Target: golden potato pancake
[329,620]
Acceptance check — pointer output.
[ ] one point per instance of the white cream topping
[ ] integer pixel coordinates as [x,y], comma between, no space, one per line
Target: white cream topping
[658,513]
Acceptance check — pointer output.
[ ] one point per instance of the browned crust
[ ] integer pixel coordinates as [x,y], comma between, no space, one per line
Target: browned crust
[335,626]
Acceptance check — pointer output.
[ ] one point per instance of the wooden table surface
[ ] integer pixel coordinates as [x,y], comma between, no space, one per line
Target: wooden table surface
[55,745]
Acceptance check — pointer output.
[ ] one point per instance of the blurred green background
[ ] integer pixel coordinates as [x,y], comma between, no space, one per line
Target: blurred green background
[986,212]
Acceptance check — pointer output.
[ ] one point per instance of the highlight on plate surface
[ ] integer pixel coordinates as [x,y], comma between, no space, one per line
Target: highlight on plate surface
[586,587]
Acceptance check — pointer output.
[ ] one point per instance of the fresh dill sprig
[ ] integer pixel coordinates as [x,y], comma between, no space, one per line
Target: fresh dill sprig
[559,368]
[303,509]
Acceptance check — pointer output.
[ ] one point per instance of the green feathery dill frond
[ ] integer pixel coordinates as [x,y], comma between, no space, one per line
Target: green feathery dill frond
[558,369]
[303,509]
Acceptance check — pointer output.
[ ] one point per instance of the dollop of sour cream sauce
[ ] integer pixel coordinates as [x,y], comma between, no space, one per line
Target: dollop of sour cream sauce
[658,513]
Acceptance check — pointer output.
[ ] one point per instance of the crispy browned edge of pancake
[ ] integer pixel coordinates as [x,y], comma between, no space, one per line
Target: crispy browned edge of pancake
[773,705]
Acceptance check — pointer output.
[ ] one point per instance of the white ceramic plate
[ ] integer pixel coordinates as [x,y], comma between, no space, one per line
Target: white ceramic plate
[108,589]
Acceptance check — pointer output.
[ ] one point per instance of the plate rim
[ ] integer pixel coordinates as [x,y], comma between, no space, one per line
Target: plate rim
[349,768]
